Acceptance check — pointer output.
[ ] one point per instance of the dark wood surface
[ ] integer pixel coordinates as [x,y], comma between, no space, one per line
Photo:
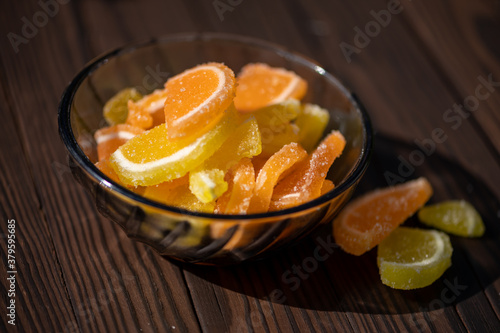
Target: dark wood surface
[76,271]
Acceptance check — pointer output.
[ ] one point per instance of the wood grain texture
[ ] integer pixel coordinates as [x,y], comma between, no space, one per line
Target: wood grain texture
[38,270]
[79,272]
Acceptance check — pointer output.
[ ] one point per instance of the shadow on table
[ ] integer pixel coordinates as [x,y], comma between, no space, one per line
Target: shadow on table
[316,274]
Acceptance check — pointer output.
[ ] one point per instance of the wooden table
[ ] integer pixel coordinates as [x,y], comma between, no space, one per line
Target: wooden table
[414,64]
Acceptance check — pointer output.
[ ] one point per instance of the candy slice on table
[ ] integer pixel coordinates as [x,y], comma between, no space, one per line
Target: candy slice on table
[456,217]
[207,181]
[152,158]
[115,110]
[413,258]
[306,180]
[270,173]
[149,111]
[366,221]
[311,122]
[109,139]
[197,99]
[260,85]
[241,183]
[176,193]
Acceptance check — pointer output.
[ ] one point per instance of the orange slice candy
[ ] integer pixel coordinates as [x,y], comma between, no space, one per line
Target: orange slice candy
[260,85]
[269,175]
[111,138]
[369,219]
[197,99]
[305,182]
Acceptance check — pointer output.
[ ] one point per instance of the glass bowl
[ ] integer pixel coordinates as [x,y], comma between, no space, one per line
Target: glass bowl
[201,237]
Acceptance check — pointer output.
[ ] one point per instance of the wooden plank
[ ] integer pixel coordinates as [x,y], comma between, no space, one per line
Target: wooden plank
[109,283]
[265,296]
[114,284]
[38,281]
[393,76]
[460,38]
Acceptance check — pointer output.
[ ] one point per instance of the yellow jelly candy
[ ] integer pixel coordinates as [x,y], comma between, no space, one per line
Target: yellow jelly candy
[151,158]
[456,217]
[274,141]
[272,118]
[311,122]
[413,258]
[115,110]
[176,193]
[207,185]
[207,181]
[276,127]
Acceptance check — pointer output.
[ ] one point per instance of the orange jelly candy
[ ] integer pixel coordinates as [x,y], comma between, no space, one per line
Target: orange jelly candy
[148,111]
[269,175]
[369,219]
[105,168]
[327,186]
[241,183]
[306,180]
[197,98]
[138,117]
[260,85]
[111,138]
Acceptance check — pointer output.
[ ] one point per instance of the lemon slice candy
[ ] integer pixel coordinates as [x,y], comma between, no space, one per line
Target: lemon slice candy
[151,158]
[413,258]
[456,217]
